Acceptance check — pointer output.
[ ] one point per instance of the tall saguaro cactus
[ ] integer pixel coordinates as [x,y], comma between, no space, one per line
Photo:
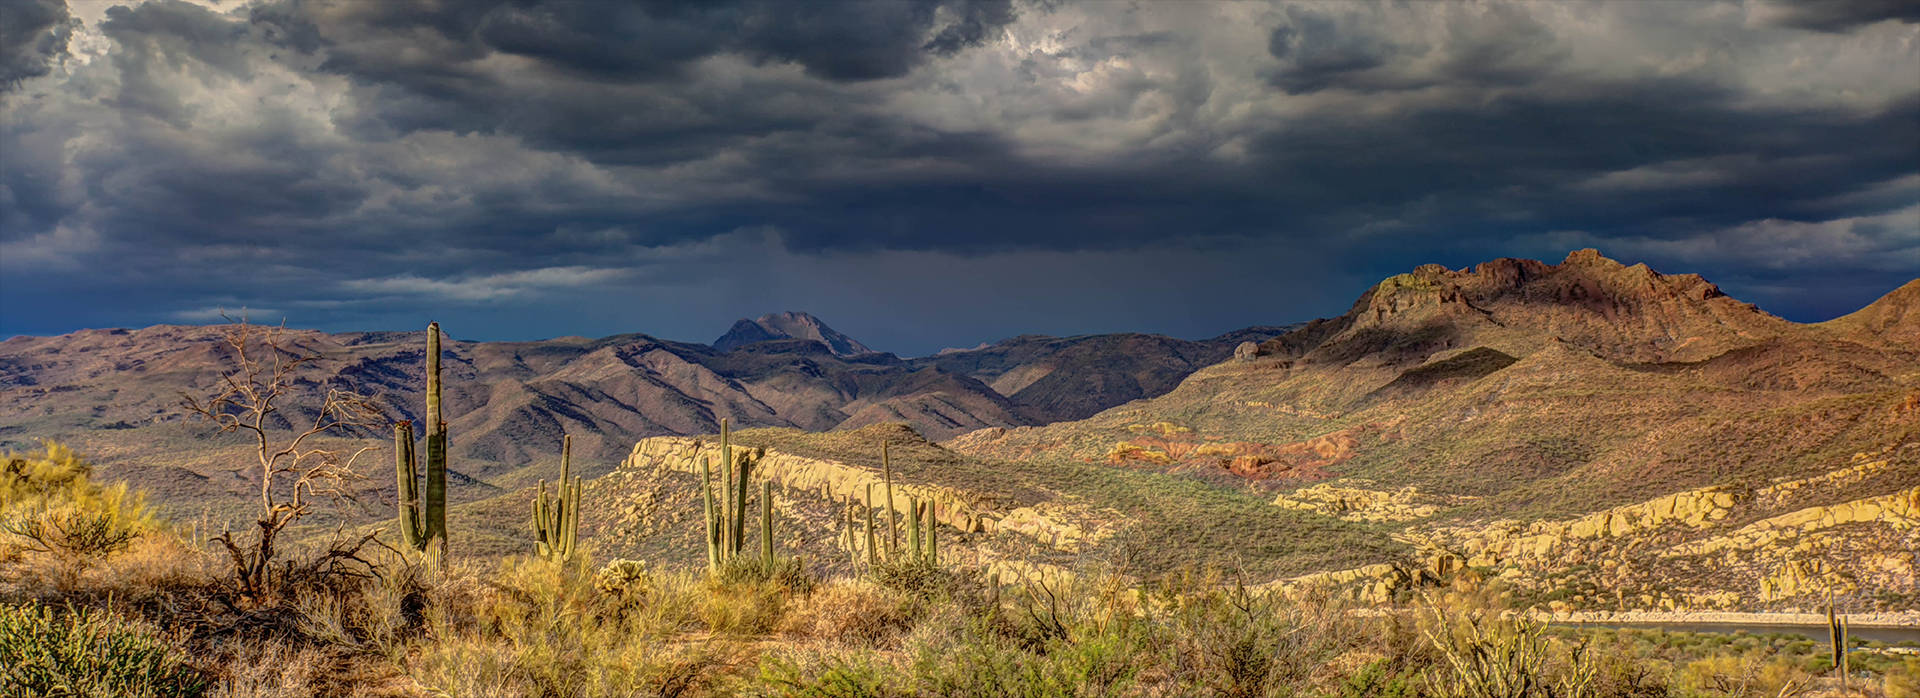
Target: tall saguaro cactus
[556,522]
[423,519]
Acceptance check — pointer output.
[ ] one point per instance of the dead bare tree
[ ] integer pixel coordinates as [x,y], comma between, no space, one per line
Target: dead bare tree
[292,467]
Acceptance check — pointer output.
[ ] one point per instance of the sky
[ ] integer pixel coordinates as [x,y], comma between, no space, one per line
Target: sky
[929,174]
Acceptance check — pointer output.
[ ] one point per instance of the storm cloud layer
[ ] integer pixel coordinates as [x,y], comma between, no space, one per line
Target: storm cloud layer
[927,174]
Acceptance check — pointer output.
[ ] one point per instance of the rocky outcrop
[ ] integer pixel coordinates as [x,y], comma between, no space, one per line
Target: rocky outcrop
[834,480]
[1352,501]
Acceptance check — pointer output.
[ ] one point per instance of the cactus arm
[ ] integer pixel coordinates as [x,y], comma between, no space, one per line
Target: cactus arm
[573,517]
[407,487]
[933,539]
[706,496]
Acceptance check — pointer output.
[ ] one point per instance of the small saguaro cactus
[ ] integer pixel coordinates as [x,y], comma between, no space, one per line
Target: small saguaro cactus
[556,522]
[1837,637]
[423,519]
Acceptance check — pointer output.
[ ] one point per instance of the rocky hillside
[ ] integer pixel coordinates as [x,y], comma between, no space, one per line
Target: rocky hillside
[1040,516]
[1519,393]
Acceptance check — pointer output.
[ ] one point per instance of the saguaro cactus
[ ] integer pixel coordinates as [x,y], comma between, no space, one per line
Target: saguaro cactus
[726,518]
[893,520]
[933,539]
[1837,637]
[766,523]
[423,520]
[556,522]
[913,528]
[873,552]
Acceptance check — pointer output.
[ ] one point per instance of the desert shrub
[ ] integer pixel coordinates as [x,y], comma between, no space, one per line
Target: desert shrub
[535,627]
[854,612]
[915,577]
[980,662]
[372,614]
[1379,679]
[1745,676]
[1074,636]
[49,504]
[1237,642]
[744,608]
[1902,680]
[1487,652]
[81,652]
[273,670]
[785,572]
[818,675]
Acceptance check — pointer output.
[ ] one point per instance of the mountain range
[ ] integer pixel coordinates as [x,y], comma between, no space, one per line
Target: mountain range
[115,393]
[1599,434]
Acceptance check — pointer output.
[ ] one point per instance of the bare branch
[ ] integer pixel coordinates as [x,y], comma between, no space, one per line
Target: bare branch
[290,470]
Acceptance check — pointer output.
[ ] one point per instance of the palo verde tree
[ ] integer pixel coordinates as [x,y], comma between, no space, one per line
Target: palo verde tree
[292,462]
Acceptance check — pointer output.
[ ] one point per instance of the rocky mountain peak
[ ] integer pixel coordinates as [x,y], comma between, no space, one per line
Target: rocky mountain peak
[1623,312]
[788,325]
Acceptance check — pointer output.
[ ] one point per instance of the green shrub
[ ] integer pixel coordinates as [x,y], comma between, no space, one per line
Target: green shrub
[785,572]
[856,676]
[77,652]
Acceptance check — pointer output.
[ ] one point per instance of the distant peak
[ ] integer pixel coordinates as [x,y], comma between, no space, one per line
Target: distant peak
[788,325]
[1589,257]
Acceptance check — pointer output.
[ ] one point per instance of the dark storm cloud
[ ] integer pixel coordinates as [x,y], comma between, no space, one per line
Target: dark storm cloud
[1319,49]
[1842,15]
[33,34]
[349,161]
[638,41]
